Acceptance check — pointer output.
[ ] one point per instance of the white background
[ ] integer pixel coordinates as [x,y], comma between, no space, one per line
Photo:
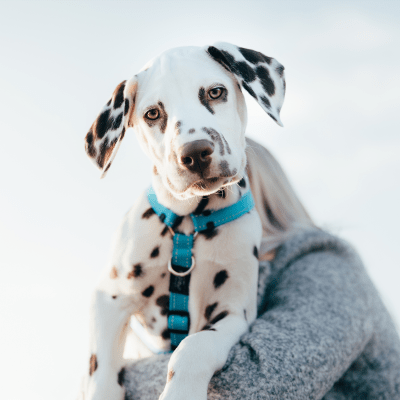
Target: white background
[59,63]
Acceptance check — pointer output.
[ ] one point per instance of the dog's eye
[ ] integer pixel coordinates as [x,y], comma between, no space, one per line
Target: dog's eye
[152,114]
[215,93]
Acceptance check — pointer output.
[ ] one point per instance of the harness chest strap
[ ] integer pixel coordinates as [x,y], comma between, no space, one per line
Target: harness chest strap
[182,261]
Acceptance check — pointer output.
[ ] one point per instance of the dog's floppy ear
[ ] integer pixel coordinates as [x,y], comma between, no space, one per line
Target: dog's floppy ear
[105,135]
[263,77]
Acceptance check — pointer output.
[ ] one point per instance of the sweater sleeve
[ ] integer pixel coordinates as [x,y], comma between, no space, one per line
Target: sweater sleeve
[315,322]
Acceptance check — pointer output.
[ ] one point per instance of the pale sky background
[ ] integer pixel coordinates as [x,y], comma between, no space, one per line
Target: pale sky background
[60,62]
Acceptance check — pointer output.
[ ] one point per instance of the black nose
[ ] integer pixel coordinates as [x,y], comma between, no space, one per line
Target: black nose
[196,155]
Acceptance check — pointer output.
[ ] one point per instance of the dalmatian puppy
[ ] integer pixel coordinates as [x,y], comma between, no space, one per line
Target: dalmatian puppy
[189,115]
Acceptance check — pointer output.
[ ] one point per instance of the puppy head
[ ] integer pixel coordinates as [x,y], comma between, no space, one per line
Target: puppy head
[189,114]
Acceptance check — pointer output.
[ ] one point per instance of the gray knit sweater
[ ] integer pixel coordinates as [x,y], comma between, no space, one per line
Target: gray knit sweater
[322,333]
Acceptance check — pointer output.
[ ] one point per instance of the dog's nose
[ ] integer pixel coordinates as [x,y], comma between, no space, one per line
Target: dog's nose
[196,155]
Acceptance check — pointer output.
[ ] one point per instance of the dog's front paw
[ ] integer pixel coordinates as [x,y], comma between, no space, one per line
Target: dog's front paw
[183,392]
[180,396]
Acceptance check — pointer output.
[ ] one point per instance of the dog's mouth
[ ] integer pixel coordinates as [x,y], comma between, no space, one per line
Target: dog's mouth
[207,186]
[204,184]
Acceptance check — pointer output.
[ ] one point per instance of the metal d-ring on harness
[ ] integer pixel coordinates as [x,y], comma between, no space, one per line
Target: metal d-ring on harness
[182,261]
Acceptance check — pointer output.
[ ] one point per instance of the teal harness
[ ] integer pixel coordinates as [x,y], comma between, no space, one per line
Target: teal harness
[182,261]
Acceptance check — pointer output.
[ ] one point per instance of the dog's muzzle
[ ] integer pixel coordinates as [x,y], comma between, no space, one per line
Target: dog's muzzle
[196,156]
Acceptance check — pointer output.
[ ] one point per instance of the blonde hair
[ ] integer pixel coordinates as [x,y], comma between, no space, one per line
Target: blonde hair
[281,212]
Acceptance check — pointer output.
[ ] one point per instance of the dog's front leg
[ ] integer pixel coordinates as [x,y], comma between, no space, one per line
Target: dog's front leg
[109,324]
[194,362]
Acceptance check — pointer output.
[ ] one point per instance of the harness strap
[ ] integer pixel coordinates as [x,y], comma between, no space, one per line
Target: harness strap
[224,215]
[182,259]
[166,216]
[178,315]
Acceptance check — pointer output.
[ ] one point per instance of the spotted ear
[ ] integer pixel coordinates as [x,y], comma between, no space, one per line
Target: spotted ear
[105,135]
[262,76]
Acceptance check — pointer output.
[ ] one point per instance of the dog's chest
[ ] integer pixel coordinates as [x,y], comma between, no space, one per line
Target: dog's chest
[141,265]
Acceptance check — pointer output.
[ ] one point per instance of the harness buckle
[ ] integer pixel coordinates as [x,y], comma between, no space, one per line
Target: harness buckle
[170,269]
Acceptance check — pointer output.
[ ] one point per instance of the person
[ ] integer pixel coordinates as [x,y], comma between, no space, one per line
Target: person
[322,331]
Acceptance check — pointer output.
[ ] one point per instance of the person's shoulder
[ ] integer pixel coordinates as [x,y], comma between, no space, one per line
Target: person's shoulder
[310,240]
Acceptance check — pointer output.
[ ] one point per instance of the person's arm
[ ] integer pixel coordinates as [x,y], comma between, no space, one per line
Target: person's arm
[317,322]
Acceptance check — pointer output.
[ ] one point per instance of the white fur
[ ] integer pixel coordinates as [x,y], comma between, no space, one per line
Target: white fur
[174,79]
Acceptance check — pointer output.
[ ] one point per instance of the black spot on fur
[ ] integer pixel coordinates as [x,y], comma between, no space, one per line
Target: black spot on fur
[272,117]
[249,89]
[121,376]
[225,170]
[209,233]
[178,127]
[242,183]
[265,80]
[209,310]
[221,193]
[254,57]
[220,316]
[210,225]
[106,149]
[119,95]
[137,271]
[90,149]
[92,364]
[255,252]
[165,334]
[204,100]
[201,206]
[155,252]
[216,137]
[280,70]
[114,297]
[228,149]
[192,130]
[163,302]
[126,106]
[177,222]
[265,101]
[149,291]
[107,168]
[220,278]
[229,58]
[245,314]
[267,59]
[103,124]
[223,58]
[163,275]
[245,71]
[117,122]
[163,118]
[208,327]
[164,231]
[122,133]
[206,213]
[148,213]
[109,102]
